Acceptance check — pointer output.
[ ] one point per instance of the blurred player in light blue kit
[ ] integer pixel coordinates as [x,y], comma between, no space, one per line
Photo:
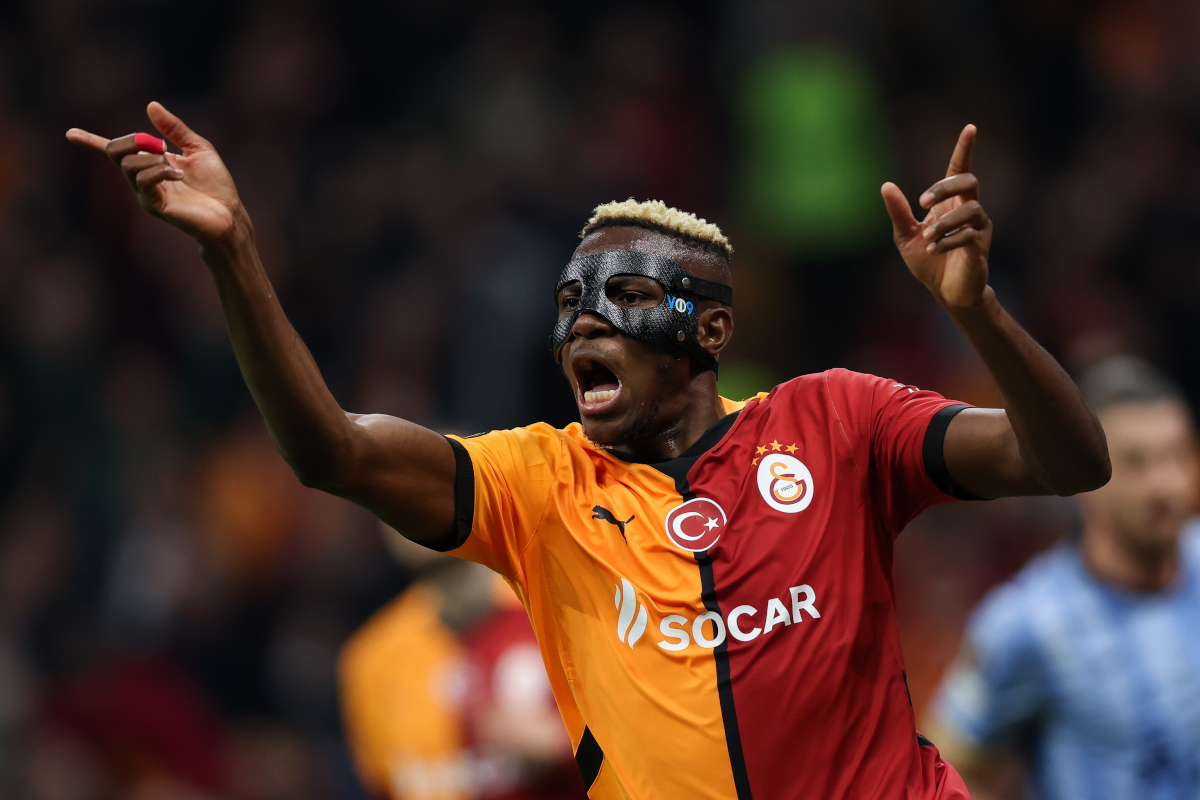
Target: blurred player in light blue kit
[1087,663]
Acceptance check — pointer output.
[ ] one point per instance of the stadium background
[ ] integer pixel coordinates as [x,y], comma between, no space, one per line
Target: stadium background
[172,601]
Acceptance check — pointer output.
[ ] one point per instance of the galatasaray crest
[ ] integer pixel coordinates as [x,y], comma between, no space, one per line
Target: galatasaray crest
[784,482]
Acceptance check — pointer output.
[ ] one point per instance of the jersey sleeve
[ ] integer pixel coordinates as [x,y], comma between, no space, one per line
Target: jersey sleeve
[899,431]
[502,486]
[998,684]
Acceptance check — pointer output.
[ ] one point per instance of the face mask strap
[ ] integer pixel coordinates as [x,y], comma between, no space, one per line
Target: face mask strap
[706,289]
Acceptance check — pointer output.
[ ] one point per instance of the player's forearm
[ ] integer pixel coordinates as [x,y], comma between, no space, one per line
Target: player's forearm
[305,421]
[1061,443]
[401,471]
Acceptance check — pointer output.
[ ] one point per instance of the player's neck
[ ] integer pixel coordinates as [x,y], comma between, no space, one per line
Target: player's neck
[697,410]
[1130,568]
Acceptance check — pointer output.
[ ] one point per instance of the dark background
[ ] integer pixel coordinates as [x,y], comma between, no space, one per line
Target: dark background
[172,601]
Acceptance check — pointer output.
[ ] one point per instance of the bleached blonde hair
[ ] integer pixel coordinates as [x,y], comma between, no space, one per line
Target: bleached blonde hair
[655,215]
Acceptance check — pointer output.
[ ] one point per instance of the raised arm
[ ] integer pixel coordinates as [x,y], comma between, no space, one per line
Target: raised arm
[1045,440]
[400,471]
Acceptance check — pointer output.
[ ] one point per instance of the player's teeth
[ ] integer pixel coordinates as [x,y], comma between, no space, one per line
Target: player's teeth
[599,397]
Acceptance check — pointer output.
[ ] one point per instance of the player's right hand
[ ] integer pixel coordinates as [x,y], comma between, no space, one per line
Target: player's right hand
[947,250]
[193,191]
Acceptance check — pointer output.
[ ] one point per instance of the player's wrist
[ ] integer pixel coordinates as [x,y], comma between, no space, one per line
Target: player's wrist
[234,240]
[980,307]
[981,318]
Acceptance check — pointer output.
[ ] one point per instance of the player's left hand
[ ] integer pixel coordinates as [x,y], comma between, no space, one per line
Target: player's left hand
[947,251]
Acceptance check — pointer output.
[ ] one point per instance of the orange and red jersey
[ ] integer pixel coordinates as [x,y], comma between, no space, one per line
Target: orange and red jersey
[721,624]
[402,679]
[508,683]
[415,692]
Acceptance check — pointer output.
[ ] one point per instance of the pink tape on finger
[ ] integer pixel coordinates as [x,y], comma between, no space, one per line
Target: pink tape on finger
[149,144]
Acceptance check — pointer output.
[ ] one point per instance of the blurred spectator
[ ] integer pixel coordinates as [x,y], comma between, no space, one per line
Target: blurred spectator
[1085,663]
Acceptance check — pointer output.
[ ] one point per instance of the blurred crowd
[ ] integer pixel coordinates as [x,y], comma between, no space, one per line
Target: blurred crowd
[172,601]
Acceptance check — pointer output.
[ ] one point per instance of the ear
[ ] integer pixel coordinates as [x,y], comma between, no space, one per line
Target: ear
[715,328]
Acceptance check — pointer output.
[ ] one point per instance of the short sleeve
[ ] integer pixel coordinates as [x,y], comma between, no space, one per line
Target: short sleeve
[998,684]
[899,429]
[502,487]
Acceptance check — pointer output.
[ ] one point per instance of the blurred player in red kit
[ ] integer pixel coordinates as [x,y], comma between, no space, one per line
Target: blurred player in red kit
[444,695]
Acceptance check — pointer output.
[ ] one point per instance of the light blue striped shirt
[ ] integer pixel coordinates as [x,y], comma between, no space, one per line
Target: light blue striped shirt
[1100,686]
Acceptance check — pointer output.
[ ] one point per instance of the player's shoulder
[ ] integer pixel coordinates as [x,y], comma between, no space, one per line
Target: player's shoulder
[813,386]
[835,384]
[539,454]
[531,444]
[839,391]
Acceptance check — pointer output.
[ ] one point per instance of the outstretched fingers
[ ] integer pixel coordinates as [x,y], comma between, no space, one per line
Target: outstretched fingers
[904,224]
[89,140]
[174,129]
[960,161]
[171,126]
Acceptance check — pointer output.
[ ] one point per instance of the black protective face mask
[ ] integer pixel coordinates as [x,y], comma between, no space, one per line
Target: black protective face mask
[670,325]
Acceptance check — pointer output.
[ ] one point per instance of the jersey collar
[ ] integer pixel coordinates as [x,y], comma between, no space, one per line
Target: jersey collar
[678,466]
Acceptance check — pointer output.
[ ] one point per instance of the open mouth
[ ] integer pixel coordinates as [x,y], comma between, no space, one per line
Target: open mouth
[597,385]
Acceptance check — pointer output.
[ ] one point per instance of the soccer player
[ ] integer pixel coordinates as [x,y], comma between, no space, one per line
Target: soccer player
[401,679]
[1088,661]
[709,581]
[444,694]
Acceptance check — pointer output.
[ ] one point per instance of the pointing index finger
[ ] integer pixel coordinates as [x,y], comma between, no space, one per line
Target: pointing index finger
[960,162]
[89,140]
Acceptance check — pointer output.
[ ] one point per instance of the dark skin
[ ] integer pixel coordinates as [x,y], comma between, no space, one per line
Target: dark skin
[1047,442]
[664,401]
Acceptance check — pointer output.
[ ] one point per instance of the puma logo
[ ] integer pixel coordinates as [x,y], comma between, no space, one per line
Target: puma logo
[600,512]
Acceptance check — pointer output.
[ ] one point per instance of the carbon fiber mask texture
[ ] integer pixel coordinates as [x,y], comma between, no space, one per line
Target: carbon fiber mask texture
[672,325]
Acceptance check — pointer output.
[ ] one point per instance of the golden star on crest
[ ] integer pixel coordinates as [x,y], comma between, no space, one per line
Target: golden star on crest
[775,445]
[760,450]
[791,448]
[755,461]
